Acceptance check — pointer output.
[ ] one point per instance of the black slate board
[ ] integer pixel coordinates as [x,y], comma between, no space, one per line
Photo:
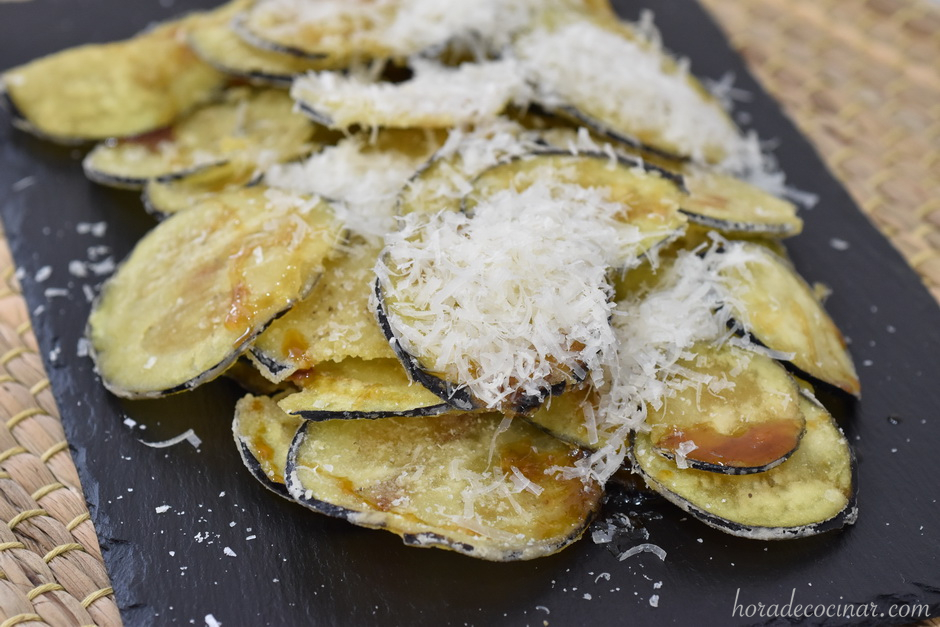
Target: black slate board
[290,567]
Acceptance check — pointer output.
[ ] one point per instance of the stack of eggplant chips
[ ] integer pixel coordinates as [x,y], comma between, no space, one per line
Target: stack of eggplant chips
[467,272]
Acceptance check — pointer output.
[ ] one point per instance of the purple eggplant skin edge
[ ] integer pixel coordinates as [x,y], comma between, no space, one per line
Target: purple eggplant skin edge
[455,395]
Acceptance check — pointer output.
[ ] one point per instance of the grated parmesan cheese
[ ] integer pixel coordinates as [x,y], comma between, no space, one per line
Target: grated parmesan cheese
[653,332]
[644,548]
[397,28]
[366,179]
[435,97]
[499,301]
[625,84]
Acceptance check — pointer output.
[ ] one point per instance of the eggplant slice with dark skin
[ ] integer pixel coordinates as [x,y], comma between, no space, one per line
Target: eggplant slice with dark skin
[163,198]
[246,125]
[334,322]
[732,206]
[568,58]
[464,482]
[740,414]
[453,394]
[776,306]
[221,47]
[650,196]
[646,200]
[200,286]
[810,493]
[65,97]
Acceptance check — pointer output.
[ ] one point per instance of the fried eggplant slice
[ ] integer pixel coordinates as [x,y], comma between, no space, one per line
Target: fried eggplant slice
[650,101]
[334,30]
[649,197]
[436,96]
[365,171]
[737,412]
[333,323]
[344,31]
[455,481]
[202,284]
[248,125]
[508,305]
[729,205]
[263,435]
[356,388]
[780,310]
[447,176]
[810,493]
[219,46]
[119,89]
[163,198]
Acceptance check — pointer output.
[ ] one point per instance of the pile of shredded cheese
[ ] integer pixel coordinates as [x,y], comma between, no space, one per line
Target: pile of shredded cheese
[607,76]
[653,332]
[503,299]
[366,180]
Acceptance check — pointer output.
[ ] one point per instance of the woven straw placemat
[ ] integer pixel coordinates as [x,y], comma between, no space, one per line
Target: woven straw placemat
[858,77]
[51,570]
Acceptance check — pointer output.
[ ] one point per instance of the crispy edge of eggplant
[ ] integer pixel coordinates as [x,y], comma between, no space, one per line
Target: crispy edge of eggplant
[207,375]
[731,470]
[240,27]
[267,365]
[212,373]
[22,123]
[598,126]
[298,493]
[138,182]
[745,470]
[244,373]
[456,396]
[254,466]
[257,77]
[319,416]
[153,208]
[320,118]
[734,226]
[621,158]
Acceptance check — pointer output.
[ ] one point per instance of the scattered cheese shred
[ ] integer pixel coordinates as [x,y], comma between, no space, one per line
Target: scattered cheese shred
[187,436]
[643,548]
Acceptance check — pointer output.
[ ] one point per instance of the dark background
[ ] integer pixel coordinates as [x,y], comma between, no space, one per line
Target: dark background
[291,567]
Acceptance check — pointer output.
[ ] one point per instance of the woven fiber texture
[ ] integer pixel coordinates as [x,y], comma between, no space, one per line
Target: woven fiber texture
[51,570]
[861,79]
